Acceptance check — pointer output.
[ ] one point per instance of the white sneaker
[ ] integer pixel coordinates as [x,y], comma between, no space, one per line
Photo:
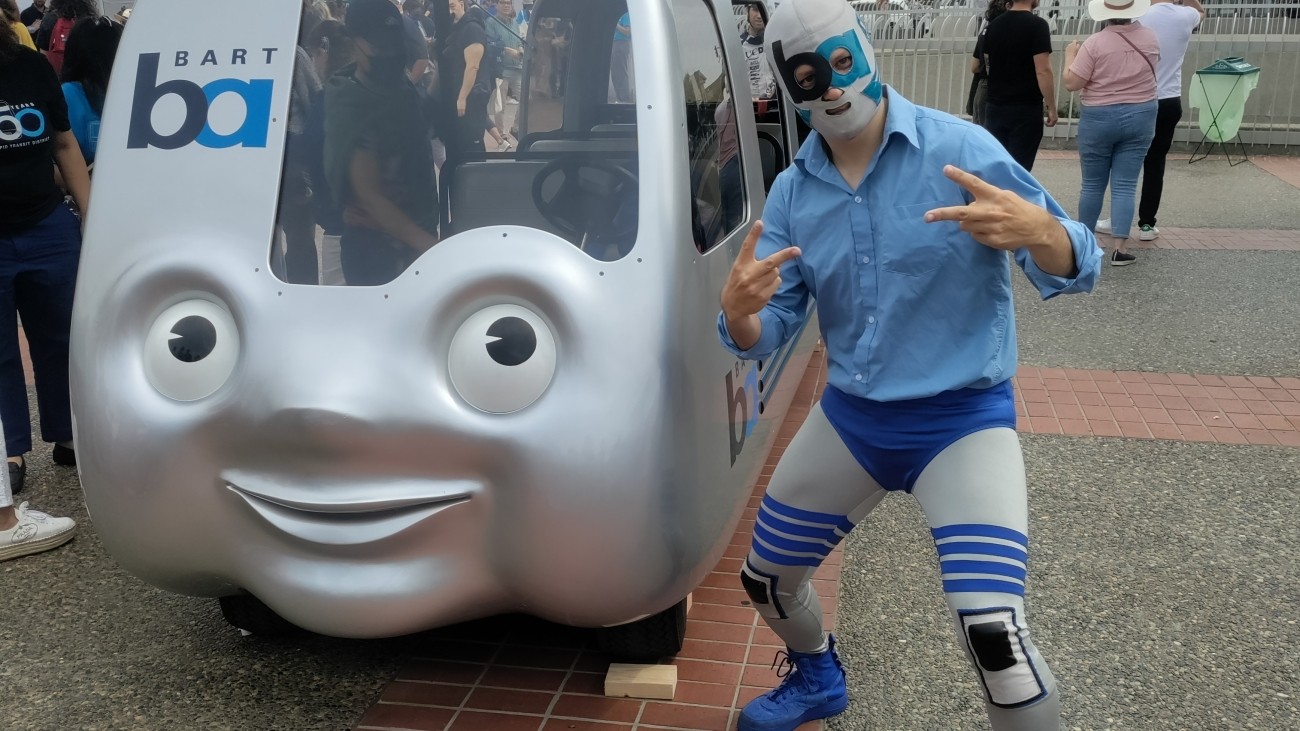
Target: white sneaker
[35,532]
[1103,226]
[1148,233]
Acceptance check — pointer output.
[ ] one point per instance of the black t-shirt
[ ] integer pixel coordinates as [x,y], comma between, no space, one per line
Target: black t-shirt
[451,70]
[388,123]
[1012,41]
[979,52]
[31,15]
[32,112]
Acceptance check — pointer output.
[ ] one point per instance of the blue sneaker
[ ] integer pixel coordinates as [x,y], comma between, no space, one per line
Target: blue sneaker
[812,688]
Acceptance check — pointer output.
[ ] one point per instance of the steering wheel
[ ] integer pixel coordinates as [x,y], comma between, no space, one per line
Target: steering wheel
[585,205]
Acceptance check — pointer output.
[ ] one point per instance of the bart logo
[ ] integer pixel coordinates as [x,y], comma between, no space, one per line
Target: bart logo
[255,93]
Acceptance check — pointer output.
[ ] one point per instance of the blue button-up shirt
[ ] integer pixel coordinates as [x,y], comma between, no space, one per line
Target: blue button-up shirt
[908,309]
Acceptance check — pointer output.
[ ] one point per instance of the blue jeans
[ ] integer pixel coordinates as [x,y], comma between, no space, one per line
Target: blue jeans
[38,275]
[1113,142]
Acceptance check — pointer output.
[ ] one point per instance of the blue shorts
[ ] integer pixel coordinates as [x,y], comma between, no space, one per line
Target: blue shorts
[895,440]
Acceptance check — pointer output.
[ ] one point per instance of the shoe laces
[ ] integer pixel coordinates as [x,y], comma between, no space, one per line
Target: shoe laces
[34,515]
[788,671]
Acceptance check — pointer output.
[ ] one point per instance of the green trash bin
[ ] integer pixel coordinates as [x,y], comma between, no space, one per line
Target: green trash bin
[1220,91]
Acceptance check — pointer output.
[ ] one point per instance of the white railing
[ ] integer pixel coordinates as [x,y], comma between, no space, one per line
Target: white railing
[924,48]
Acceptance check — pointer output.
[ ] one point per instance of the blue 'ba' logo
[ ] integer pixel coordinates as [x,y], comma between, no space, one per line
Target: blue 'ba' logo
[198,100]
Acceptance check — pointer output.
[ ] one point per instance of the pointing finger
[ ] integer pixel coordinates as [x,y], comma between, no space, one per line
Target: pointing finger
[751,241]
[951,213]
[776,260]
[969,181]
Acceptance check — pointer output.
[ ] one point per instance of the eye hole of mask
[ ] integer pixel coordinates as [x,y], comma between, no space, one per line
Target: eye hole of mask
[802,86]
[844,63]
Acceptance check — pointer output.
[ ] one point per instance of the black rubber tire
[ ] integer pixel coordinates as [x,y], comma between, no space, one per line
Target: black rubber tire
[647,640]
[248,613]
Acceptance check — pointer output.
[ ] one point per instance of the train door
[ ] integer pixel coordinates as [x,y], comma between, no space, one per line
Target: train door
[720,191]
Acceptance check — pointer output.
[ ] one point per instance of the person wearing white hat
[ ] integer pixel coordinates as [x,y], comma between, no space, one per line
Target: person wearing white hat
[1116,71]
[898,219]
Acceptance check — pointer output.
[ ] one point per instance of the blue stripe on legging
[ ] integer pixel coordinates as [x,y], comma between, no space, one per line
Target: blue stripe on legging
[987,549]
[952,586]
[789,544]
[981,531]
[809,516]
[775,523]
[780,559]
[982,567]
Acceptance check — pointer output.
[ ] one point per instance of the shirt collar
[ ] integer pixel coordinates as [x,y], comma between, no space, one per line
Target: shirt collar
[900,119]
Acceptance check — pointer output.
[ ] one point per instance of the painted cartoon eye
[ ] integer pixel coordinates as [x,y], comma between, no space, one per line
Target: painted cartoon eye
[191,350]
[502,359]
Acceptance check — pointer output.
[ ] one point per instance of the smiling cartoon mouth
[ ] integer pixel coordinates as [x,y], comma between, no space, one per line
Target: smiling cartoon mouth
[837,111]
[347,513]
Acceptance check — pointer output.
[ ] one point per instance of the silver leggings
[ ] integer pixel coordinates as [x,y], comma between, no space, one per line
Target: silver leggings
[974,499]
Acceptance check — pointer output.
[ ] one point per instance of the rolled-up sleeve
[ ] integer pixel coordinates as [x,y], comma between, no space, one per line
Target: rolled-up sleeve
[985,157]
[788,309]
[1087,261]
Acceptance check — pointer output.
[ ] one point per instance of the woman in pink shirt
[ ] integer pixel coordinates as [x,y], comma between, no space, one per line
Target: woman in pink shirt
[1115,68]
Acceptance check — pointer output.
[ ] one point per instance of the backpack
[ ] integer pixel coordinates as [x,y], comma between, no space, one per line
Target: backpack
[59,42]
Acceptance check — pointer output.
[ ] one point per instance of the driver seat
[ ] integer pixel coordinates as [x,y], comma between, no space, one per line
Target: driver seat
[477,193]
[480,193]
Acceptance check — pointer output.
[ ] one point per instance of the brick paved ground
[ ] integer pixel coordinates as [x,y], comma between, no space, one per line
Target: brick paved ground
[1194,408]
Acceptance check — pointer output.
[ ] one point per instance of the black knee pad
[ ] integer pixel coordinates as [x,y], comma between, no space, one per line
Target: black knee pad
[1001,658]
[761,589]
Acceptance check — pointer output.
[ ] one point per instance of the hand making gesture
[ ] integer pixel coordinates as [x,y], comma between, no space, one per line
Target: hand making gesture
[1001,219]
[753,281]
[997,218]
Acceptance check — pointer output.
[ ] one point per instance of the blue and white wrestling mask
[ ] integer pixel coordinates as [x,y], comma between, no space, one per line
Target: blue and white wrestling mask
[818,45]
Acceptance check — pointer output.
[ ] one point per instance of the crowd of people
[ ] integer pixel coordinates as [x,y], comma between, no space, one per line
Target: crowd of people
[381,99]
[1130,77]
[55,62]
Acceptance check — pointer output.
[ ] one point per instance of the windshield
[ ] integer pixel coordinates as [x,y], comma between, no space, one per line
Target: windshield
[397,141]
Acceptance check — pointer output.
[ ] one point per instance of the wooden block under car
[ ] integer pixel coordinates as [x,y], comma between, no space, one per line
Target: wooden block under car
[658,682]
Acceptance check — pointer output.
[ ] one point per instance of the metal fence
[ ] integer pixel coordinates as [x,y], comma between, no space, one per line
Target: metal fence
[924,50]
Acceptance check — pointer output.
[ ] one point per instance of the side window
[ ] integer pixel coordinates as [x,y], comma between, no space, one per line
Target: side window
[752,21]
[622,85]
[716,183]
[546,65]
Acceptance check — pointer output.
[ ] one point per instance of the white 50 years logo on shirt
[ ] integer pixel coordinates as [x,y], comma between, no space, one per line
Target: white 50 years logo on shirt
[16,124]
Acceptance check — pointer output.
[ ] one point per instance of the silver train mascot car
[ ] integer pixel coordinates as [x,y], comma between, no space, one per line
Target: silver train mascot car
[512,399]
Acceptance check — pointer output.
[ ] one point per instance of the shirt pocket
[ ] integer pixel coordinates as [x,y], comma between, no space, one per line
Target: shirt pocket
[909,245]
